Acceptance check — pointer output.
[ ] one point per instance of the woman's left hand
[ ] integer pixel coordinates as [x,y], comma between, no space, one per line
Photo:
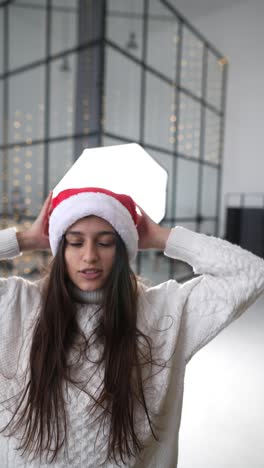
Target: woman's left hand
[151,234]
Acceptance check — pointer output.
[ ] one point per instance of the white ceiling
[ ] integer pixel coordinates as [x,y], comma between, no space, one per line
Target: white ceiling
[194,8]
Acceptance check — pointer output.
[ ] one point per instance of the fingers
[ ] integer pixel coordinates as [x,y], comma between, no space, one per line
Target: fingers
[46,208]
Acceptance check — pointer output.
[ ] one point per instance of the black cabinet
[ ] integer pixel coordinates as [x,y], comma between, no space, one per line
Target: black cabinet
[245,227]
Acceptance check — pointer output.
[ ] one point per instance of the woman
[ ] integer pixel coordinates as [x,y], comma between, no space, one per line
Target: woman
[92,362]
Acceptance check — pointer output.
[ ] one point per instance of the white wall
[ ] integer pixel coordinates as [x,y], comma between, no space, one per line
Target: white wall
[238,31]
[222,423]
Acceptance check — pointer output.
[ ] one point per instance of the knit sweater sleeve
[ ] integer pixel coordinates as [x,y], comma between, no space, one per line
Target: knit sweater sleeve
[19,302]
[230,280]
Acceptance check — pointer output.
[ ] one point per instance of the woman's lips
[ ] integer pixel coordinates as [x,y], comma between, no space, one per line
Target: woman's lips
[90,274]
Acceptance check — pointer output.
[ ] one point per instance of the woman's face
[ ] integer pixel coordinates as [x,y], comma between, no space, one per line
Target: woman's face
[89,252]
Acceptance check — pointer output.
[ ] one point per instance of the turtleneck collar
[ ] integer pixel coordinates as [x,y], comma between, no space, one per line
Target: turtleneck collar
[86,297]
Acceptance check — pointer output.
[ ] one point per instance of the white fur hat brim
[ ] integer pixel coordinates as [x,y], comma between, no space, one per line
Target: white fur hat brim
[84,204]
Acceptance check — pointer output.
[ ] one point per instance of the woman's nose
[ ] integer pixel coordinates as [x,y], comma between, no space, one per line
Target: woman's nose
[90,253]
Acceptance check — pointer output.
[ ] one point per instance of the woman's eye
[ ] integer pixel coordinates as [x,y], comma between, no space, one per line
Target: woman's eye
[105,244]
[75,244]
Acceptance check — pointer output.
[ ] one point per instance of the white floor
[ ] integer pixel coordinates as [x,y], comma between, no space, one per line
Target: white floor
[223,412]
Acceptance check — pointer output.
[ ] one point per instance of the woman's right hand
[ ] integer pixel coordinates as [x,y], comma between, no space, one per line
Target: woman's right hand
[37,236]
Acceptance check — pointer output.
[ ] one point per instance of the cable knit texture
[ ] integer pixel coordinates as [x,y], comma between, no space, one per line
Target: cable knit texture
[180,319]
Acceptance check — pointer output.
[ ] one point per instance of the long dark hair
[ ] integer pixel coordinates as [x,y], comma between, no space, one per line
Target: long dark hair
[40,412]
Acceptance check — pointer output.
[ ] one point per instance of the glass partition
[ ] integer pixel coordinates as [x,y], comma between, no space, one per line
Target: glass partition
[74,75]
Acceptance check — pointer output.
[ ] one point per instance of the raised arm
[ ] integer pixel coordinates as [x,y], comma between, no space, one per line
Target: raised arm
[230,280]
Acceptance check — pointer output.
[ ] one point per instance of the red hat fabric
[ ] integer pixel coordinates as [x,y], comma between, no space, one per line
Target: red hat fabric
[76,203]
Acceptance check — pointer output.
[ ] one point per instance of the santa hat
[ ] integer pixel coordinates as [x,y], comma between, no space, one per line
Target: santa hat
[119,210]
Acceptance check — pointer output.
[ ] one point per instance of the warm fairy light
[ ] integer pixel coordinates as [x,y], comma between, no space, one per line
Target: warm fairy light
[173,118]
[17,124]
[223,61]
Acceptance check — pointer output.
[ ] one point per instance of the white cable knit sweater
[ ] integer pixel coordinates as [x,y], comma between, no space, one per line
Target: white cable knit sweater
[180,319]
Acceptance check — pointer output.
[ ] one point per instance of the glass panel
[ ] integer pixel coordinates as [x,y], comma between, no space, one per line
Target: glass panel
[162,39]
[86,142]
[189,127]
[192,62]
[214,81]
[1,112]
[125,25]
[61,158]
[165,161]
[209,228]
[27,25]
[62,155]
[122,95]
[26,106]
[209,191]
[2,175]
[186,188]
[154,266]
[212,136]
[159,125]
[62,96]
[25,176]
[64,25]
[1,40]
[107,141]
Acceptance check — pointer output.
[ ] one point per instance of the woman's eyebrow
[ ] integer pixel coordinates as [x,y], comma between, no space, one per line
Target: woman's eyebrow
[99,233]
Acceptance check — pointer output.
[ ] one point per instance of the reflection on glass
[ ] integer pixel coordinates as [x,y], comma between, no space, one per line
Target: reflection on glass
[2,175]
[1,40]
[159,129]
[214,81]
[1,112]
[25,181]
[125,25]
[162,39]
[27,25]
[186,188]
[165,161]
[64,25]
[62,98]
[122,95]
[61,158]
[154,266]
[26,106]
[209,191]
[189,127]
[192,62]
[209,228]
[212,136]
